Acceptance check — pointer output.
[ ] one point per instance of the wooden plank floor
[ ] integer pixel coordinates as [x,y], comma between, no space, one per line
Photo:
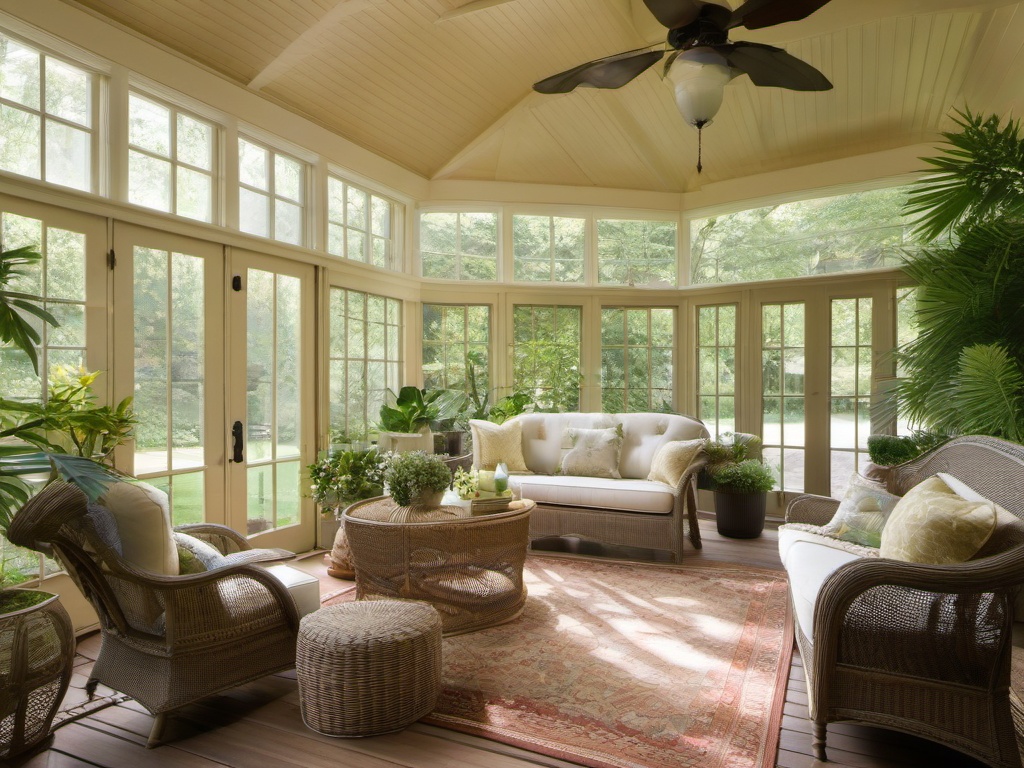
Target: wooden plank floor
[259,725]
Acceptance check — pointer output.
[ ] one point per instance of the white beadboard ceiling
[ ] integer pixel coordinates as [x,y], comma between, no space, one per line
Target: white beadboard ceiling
[443,87]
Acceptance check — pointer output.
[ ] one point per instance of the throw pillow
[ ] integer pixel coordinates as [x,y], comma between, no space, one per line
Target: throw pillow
[144,526]
[498,443]
[931,524]
[594,452]
[672,460]
[195,555]
[862,513]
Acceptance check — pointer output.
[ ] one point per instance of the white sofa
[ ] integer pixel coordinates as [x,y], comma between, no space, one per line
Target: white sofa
[631,511]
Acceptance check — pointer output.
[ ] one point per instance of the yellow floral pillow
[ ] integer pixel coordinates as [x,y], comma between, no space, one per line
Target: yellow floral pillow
[673,459]
[499,443]
[931,524]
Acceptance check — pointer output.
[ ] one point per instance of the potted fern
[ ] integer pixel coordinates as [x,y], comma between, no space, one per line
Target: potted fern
[741,492]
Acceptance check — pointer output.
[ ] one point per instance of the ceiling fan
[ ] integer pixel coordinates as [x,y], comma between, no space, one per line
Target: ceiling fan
[702,60]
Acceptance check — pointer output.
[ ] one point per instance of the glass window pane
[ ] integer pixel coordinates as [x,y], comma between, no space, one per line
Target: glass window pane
[356,209]
[68,156]
[149,125]
[67,92]
[194,194]
[288,178]
[253,165]
[19,73]
[381,217]
[65,264]
[195,142]
[287,222]
[253,213]
[149,181]
[20,148]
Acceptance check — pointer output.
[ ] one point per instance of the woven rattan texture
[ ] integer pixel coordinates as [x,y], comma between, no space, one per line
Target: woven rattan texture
[37,650]
[370,667]
[921,648]
[167,640]
[469,568]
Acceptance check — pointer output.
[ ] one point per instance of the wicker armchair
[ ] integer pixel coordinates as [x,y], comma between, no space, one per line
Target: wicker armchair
[923,649]
[167,640]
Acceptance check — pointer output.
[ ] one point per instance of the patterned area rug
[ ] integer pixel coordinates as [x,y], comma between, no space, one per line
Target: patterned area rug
[628,666]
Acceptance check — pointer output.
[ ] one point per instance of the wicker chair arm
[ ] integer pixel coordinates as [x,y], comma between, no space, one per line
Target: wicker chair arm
[225,540]
[812,510]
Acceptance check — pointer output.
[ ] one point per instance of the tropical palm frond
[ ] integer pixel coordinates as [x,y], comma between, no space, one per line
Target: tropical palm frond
[17,307]
[989,396]
[978,176]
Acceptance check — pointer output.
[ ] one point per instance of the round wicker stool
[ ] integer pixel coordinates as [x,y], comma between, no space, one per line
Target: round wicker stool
[369,667]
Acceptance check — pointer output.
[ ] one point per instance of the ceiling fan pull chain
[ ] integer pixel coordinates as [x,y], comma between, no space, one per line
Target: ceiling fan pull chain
[699,147]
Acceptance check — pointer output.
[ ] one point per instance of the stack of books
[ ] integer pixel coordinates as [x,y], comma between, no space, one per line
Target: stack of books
[485,505]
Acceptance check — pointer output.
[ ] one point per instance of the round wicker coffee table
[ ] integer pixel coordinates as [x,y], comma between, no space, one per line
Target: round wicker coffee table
[470,568]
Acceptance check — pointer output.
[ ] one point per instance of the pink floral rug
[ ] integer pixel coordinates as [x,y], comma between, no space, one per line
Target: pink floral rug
[628,666]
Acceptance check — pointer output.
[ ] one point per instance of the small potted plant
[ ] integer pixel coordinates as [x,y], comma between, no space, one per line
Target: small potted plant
[741,489]
[417,479]
[342,478]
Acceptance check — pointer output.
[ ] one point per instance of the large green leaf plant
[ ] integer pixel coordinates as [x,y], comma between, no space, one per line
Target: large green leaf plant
[965,369]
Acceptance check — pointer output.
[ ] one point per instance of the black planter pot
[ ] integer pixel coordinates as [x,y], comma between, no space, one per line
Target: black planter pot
[740,515]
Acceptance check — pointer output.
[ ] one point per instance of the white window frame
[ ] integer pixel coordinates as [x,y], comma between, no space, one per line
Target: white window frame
[499,214]
[306,205]
[394,259]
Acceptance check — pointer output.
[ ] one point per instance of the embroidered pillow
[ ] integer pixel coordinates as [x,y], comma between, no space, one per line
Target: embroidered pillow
[862,513]
[672,460]
[594,452]
[931,524]
[498,443]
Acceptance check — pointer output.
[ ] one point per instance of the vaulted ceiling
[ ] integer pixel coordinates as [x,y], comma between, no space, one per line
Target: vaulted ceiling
[443,87]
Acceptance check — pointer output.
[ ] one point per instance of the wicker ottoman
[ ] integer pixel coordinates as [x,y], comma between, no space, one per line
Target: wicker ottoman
[368,667]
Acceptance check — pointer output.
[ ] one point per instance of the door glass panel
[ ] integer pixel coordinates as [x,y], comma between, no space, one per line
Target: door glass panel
[850,420]
[782,388]
[170,372]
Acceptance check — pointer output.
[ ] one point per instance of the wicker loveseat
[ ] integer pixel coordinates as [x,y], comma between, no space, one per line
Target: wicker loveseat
[631,511]
[924,649]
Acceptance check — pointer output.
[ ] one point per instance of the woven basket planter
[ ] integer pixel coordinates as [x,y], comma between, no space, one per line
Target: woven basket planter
[37,651]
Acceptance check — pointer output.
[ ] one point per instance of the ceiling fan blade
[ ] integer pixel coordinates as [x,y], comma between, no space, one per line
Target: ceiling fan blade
[674,13]
[609,72]
[771,66]
[755,14]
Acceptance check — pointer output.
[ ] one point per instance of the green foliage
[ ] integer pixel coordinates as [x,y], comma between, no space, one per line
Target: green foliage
[416,408]
[965,369]
[410,473]
[21,599]
[465,482]
[15,306]
[750,476]
[342,478]
[479,399]
[890,450]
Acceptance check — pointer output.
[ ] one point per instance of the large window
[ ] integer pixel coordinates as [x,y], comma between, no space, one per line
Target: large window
[636,359]
[365,360]
[636,252]
[170,365]
[850,400]
[271,193]
[851,232]
[450,334]
[459,246]
[60,278]
[46,117]
[782,387]
[716,367]
[359,225]
[548,249]
[170,159]
[546,355]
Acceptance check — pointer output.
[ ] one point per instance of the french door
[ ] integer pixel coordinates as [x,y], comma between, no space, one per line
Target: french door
[271,396]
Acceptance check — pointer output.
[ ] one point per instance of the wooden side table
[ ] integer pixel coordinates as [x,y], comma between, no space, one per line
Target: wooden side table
[470,568]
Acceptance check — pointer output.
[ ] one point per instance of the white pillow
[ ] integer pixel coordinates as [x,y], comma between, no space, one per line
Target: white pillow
[144,525]
[594,452]
[862,513]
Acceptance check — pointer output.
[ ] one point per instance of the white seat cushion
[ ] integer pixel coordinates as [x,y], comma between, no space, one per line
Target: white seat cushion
[808,564]
[304,589]
[596,492]
[144,526]
[791,533]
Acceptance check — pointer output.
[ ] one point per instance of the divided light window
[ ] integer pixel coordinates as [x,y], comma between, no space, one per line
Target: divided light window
[546,355]
[46,117]
[359,224]
[451,333]
[845,233]
[850,396]
[636,359]
[271,193]
[365,360]
[548,249]
[459,246]
[170,159]
[636,252]
[782,387]
[716,367]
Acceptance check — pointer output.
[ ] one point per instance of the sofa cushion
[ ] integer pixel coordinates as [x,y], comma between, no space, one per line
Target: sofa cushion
[791,533]
[543,433]
[862,513]
[144,525]
[494,444]
[808,564]
[931,524]
[591,452]
[595,492]
[672,460]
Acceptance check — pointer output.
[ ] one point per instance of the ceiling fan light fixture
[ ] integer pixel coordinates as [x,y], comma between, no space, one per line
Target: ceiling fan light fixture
[699,77]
